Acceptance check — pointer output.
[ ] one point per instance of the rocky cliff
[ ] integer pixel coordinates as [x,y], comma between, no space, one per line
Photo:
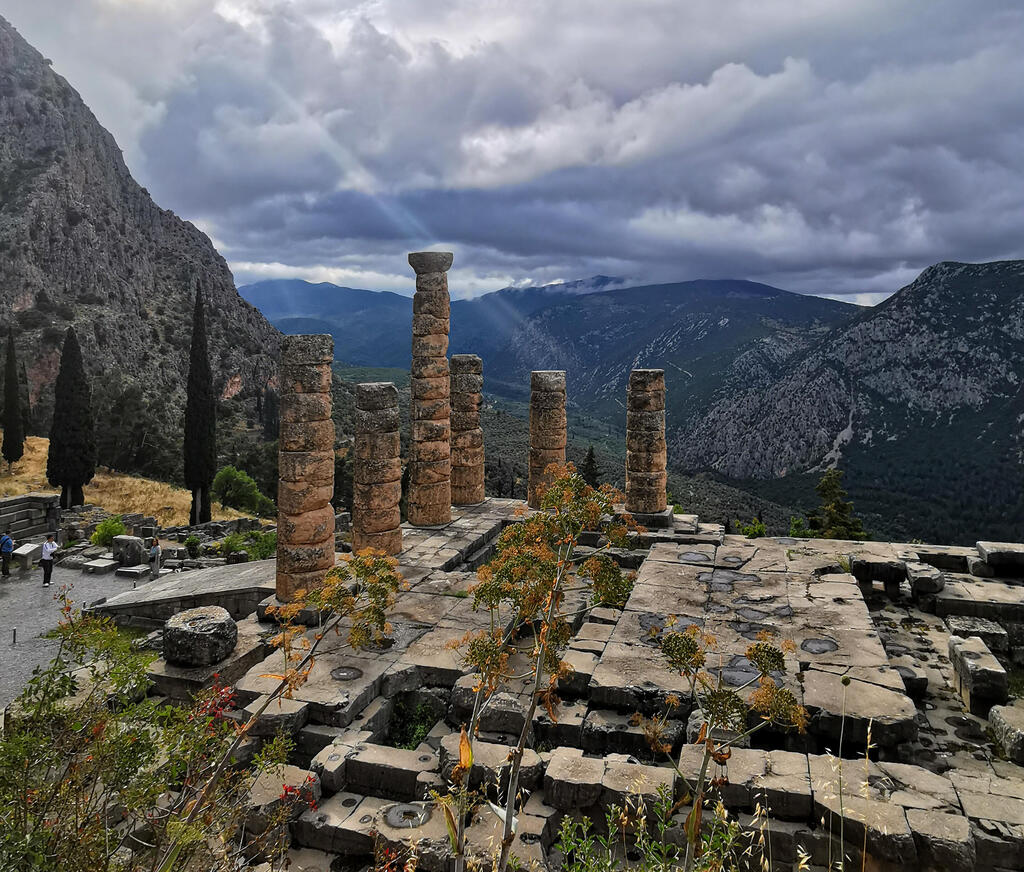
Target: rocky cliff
[82,243]
[920,400]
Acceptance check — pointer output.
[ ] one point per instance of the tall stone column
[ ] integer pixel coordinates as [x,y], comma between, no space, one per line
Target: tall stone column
[467,438]
[430,487]
[305,520]
[376,470]
[645,443]
[547,429]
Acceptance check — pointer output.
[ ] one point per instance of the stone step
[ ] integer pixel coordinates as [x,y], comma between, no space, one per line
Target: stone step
[101,566]
[133,572]
[378,770]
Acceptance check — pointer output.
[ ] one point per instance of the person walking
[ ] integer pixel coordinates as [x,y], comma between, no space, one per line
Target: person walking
[46,561]
[6,550]
[154,557]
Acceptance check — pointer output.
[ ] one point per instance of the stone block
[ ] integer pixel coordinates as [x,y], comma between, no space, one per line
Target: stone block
[430,432]
[199,637]
[1005,558]
[379,520]
[379,470]
[431,302]
[297,408]
[313,467]
[129,550]
[309,527]
[286,716]
[306,436]
[388,772]
[924,579]
[375,497]
[424,262]
[305,378]
[992,634]
[374,445]
[296,497]
[388,541]
[424,324]
[298,350]
[1007,723]
[980,679]
[297,559]
[491,763]
[572,781]
[625,782]
[428,367]
[548,381]
[434,346]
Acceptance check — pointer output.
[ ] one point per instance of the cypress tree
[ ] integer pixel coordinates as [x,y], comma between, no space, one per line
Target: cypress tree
[588,469]
[200,420]
[71,462]
[13,423]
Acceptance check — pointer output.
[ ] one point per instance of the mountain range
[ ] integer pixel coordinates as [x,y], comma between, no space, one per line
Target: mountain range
[917,399]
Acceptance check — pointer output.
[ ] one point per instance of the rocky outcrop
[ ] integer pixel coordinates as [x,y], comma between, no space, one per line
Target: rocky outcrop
[82,243]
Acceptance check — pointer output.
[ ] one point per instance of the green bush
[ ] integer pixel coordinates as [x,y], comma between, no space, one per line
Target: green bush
[261,546]
[191,544]
[106,530]
[236,489]
[754,530]
[231,543]
[612,586]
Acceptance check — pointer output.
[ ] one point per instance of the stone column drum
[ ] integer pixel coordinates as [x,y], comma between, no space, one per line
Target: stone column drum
[429,500]
[547,429]
[376,470]
[467,438]
[305,520]
[645,442]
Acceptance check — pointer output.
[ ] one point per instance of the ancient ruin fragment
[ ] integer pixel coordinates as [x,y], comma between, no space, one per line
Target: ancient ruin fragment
[376,470]
[547,429]
[467,383]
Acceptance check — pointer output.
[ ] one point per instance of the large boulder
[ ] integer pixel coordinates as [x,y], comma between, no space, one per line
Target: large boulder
[199,637]
[130,550]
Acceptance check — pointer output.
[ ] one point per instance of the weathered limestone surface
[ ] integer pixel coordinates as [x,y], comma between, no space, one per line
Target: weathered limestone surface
[467,384]
[376,470]
[199,637]
[305,526]
[645,442]
[430,486]
[547,429]
[980,678]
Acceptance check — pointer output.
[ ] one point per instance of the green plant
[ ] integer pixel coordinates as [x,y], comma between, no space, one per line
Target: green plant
[71,459]
[191,544]
[409,724]
[106,530]
[13,423]
[200,445]
[834,519]
[233,487]
[261,545]
[232,543]
[611,586]
[523,588]
[754,530]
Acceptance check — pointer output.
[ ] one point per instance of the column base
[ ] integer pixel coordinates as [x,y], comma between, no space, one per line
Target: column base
[658,520]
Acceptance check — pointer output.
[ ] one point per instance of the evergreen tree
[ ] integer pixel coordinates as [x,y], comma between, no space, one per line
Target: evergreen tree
[200,420]
[835,518]
[271,415]
[13,422]
[71,462]
[589,469]
[26,403]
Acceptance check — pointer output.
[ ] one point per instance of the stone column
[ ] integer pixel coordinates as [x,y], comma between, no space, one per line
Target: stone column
[305,520]
[376,470]
[467,437]
[547,429]
[645,442]
[430,488]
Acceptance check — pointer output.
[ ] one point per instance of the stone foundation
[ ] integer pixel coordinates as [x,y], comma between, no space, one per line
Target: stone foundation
[305,523]
[430,487]
[376,470]
[467,384]
[547,429]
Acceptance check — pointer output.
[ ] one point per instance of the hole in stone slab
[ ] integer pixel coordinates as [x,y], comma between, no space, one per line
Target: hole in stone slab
[366,818]
[819,646]
[694,557]
[425,758]
[346,673]
[349,801]
[406,816]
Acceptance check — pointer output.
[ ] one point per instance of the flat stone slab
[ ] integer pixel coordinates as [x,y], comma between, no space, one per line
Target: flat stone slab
[100,566]
[1008,726]
[1004,557]
[237,588]
[981,680]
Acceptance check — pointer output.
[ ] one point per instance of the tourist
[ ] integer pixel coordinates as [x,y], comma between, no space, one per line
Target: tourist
[154,557]
[6,550]
[46,561]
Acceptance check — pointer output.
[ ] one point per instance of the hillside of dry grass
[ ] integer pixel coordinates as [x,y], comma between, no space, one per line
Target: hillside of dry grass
[114,491]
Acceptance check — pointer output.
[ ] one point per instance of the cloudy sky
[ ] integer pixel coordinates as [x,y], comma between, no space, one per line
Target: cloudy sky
[827,146]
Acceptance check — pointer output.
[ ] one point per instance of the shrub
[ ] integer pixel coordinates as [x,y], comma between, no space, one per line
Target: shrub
[261,545]
[754,530]
[192,545]
[612,586]
[231,543]
[235,488]
[106,530]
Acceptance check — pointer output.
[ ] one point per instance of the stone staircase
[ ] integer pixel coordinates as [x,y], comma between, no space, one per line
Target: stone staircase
[30,515]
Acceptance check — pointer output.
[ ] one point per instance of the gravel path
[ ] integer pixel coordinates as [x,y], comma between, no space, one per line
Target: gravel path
[32,609]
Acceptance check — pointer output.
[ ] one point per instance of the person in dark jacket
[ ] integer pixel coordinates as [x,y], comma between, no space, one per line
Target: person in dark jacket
[46,561]
[6,550]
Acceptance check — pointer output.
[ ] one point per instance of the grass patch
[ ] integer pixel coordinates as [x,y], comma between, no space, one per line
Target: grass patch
[117,492]
[1015,677]
[410,724]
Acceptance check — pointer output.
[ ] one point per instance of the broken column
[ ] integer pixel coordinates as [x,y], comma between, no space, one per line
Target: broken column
[467,384]
[430,488]
[376,470]
[646,452]
[547,430]
[305,520]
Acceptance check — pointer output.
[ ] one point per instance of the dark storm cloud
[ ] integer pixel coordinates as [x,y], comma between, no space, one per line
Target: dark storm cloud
[826,146]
